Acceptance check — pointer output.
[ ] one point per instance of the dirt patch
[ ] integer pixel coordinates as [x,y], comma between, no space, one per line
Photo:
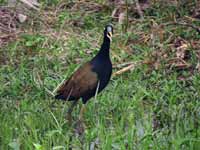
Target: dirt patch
[8,25]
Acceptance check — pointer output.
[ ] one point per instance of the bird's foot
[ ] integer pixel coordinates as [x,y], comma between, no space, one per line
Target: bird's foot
[80,127]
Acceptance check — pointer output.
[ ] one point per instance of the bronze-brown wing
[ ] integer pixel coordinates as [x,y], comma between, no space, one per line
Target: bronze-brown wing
[82,81]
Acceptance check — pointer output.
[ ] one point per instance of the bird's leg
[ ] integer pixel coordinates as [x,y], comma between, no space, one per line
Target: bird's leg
[80,126]
[69,113]
[83,109]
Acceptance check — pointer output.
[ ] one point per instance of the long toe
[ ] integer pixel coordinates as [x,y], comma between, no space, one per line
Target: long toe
[80,127]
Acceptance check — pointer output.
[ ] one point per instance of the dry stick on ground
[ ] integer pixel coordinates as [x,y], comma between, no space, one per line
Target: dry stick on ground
[187,25]
[123,64]
[125,69]
[32,4]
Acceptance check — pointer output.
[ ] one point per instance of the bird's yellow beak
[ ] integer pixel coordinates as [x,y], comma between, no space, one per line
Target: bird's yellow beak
[109,35]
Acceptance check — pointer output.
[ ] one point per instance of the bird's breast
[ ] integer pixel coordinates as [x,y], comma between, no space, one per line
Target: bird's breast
[103,73]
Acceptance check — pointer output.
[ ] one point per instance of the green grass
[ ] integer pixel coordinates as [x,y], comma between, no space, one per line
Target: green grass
[123,116]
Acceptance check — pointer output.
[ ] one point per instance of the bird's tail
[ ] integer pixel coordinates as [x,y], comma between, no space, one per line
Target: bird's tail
[60,96]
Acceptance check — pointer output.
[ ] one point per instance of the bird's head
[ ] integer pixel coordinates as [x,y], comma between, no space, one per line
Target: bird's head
[108,32]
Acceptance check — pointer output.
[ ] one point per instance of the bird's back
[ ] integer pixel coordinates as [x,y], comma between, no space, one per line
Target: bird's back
[90,78]
[79,84]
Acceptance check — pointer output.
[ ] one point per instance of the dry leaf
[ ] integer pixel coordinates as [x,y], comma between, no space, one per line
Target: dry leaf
[22,18]
[122,17]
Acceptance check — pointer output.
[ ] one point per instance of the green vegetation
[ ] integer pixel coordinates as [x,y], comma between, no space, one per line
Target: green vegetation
[155,105]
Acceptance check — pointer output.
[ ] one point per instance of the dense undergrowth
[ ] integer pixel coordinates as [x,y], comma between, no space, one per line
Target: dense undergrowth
[153,105]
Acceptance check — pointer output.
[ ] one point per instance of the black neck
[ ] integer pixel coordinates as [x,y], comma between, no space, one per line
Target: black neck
[105,48]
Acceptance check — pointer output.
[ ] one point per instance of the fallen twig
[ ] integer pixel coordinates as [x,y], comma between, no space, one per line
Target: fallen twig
[186,24]
[123,64]
[125,69]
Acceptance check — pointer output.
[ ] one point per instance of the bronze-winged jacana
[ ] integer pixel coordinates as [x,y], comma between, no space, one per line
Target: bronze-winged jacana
[90,78]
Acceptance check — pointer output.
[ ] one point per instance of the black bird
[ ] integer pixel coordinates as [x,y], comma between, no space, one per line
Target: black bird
[91,78]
